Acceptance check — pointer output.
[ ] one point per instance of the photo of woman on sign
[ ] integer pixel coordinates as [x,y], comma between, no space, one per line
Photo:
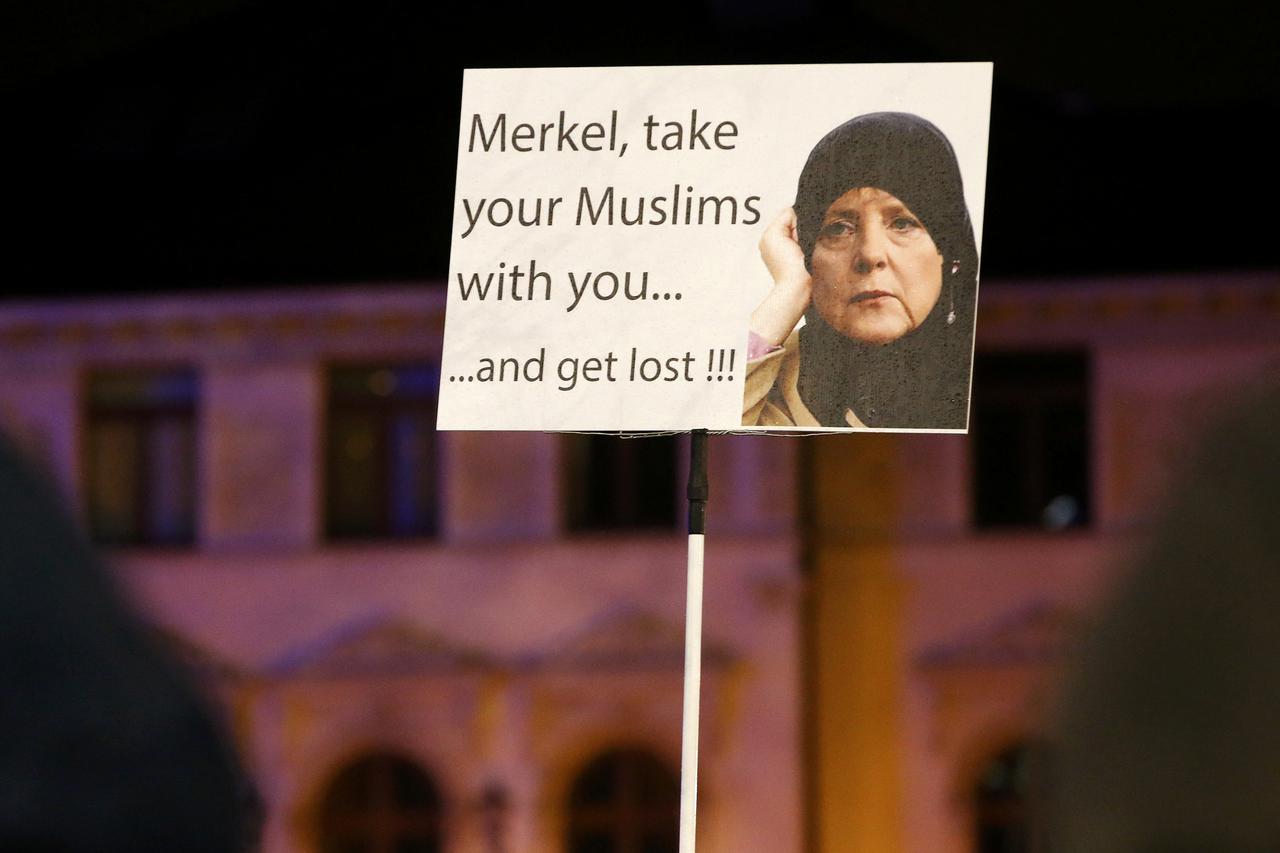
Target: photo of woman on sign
[878,256]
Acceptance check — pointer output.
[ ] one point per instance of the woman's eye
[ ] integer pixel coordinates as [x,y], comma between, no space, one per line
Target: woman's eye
[839,228]
[903,223]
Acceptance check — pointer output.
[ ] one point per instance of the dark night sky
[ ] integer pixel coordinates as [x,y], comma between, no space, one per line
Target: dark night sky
[225,143]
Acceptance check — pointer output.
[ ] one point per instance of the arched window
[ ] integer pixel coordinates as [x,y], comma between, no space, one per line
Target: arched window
[625,801]
[1000,799]
[381,803]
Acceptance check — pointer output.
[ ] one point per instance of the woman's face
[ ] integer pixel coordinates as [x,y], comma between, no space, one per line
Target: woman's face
[876,271]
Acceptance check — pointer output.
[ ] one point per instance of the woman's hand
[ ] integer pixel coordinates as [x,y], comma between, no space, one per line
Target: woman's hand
[780,249]
[786,302]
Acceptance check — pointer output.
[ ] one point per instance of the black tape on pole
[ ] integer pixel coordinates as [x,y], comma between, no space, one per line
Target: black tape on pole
[698,491]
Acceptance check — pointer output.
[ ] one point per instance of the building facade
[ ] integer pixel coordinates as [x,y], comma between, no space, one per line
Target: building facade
[948,574]
[456,642]
[471,642]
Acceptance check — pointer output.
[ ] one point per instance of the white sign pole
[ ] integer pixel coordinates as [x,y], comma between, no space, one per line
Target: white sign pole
[697,493]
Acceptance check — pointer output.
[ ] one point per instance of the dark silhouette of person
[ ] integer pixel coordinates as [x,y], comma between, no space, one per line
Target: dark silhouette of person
[104,743]
[1168,734]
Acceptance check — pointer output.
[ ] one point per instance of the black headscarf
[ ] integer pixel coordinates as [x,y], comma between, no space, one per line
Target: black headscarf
[922,379]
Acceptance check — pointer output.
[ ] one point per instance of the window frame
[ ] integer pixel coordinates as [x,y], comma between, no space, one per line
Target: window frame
[383,823]
[91,414]
[1018,809]
[573,491]
[1059,391]
[385,416]
[629,835]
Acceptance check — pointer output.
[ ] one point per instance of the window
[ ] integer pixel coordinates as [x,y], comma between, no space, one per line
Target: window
[1030,439]
[140,457]
[1000,798]
[382,803]
[625,801]
[620,483]
[380,456]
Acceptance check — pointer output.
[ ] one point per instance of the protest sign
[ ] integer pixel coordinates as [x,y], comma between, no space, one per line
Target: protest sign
[756,247]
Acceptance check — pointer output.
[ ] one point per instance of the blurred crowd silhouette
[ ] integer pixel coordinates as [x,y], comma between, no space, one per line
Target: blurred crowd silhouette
[107,744]
[1168,737]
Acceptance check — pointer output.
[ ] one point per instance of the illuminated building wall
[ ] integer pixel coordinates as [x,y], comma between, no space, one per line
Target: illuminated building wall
[467,640]
[475,640]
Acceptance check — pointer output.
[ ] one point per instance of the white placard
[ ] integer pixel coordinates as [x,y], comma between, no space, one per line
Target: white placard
[606,260]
